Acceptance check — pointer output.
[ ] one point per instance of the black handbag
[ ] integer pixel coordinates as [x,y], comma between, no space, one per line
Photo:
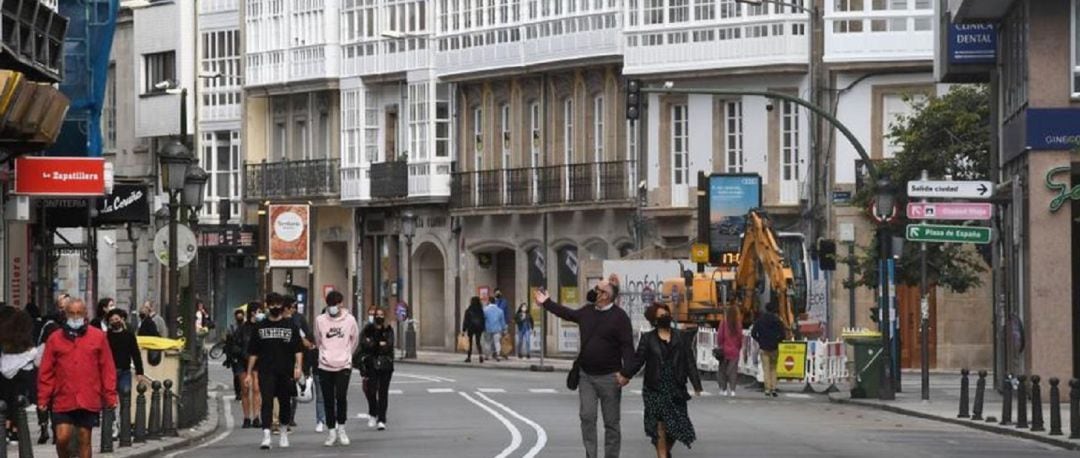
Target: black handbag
[718,353]
[574,377]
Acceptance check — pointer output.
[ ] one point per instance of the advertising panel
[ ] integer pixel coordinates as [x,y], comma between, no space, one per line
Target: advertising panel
[731,196]
[290,236]
[60,176]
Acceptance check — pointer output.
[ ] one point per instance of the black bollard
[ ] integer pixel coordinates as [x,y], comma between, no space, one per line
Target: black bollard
[1074,409]
[1055,407]
[3,429]
[964,385]
[168,427]
[125,420]
[107,418]
[140,414]
[1036,405]
[153,428]
[980,395]
[1021,403]
[1006,401]
[26,447]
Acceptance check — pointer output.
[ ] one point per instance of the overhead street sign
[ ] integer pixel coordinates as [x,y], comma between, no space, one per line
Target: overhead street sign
[950,189]
[950,211]
[948,234]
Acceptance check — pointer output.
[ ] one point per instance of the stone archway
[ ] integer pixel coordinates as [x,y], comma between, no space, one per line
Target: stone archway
[429,290]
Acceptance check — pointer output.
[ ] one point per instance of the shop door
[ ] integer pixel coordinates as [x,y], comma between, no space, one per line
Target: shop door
[910,339]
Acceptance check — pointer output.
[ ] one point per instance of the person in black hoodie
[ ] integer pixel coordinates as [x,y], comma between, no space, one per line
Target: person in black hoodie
[125,351]
[768,332]
[377,344]
[473,326]
[665,354]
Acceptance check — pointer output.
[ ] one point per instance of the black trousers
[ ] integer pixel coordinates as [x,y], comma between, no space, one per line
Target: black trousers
[377,390]
[280,387]
[479,346]
[335,389]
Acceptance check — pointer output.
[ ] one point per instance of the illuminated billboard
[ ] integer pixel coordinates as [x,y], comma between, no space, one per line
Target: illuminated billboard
[731,197]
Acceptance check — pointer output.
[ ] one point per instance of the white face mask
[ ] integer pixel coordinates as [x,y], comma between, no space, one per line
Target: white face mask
[371,318]
[333,310]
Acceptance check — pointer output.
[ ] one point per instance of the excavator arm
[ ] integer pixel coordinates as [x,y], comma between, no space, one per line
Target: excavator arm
[761,256]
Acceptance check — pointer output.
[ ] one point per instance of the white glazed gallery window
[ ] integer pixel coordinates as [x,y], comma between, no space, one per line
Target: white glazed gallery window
[733,123]
[568,131]
[789,157]
[504,137]
[371,126]
[598,129]
[478,138]
[534,136]
[680,145]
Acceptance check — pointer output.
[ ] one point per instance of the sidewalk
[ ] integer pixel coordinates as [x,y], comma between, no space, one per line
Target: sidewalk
[944,405]
[151,448]
[438,358]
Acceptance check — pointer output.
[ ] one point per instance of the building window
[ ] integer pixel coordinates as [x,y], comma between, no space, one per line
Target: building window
[704,11]
[442,121]
[478,137]
[1014,74]
[632,13]
[418,121]
[221,160]
[729,9]
[733,122]
[632,140]
[108,111]
[301,140]
[896,108]
[371,127]
[158,67]
[505,137]
[598,128]
[568,131]
[848,5]
[789,142]
[350,126]
[280,137]
[680,145]
[534,129]
[678,10]
[654,12]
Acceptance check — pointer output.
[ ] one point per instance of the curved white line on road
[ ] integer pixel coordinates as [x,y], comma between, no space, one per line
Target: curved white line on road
[541,435]
[515,434]
[428,378]
[229,424]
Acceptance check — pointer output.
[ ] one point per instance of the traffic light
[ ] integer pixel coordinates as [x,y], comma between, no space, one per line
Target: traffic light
[827,255]
[633,99]
[875,314]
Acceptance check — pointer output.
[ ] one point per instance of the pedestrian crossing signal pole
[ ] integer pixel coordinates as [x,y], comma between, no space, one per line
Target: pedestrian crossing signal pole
[543,313]
[884,211]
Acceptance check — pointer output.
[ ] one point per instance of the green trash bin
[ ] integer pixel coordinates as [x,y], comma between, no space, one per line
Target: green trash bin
[868,365]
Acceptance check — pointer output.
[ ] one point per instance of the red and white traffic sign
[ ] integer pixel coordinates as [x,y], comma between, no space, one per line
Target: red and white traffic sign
[60,176]
[961,211]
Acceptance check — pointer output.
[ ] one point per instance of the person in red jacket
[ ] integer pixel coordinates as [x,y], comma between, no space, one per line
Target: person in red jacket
[77,379]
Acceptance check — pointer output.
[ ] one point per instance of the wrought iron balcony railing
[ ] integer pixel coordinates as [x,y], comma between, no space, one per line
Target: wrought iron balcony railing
[389,179]
[317,178]
[550,185]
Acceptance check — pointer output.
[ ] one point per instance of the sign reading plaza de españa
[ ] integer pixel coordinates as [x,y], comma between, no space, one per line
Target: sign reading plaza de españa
[289,236]
[948,234]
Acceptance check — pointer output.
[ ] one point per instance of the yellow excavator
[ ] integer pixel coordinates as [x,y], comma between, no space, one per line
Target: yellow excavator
[702,297]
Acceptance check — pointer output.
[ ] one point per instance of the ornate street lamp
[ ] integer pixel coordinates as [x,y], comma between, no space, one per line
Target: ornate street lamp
[175,159]
[408,229]
[194,186]
[884,212]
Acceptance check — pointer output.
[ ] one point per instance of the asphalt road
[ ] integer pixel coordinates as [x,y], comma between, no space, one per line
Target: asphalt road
[462,412]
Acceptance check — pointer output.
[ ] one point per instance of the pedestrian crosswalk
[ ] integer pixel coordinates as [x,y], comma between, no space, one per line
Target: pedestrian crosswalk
[549,391]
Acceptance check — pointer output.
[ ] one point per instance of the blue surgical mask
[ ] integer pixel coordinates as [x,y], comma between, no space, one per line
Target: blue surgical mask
[259,317]
[76,323]
[333,310]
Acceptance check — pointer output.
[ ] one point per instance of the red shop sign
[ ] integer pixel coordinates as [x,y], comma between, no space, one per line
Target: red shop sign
[60,176]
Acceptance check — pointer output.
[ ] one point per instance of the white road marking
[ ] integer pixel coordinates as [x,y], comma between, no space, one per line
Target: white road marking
[797,395]
[427,378]
[515,434]
[394,392]
[229,425]
[541,435]
[491,390]
[543,390]
[440,390]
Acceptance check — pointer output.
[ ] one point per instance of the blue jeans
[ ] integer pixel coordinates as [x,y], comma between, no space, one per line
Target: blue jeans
[523,346]
[123,381]
[320,409]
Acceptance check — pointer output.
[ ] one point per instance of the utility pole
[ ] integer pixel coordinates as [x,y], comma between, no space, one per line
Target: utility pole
[924,314]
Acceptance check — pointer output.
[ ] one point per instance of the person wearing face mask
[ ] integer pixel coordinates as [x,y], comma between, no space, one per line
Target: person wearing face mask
[77,352]
[251,399]
[17,356]
[665,354]
[337,336]
[101,313]
[275,351]
[606,348]
[50,324]
[360,362]
[377,344]
[125,351]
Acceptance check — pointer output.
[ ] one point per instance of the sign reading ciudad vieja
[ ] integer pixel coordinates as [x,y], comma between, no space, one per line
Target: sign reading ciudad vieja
[128,203]
[290,236]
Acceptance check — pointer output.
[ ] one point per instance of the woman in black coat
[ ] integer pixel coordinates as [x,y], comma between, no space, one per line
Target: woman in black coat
[473,326]
[668,363]
[377,347]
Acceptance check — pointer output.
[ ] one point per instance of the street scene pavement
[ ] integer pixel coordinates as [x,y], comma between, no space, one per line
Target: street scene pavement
[455,411]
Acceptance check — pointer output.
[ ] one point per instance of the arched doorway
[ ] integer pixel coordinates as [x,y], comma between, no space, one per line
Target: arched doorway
[430,293]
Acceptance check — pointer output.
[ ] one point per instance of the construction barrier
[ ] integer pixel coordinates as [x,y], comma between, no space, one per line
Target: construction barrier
[826,361]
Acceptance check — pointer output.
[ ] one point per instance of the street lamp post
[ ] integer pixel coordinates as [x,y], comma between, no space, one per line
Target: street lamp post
[194,184]
[408,229]
[174,158]
[884,212]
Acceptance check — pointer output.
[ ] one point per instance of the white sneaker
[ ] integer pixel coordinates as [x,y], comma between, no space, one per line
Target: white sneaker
[382,426]
[371,422]
[331,439]
[266,440]
[320,427]
[731,393]
[284,442]
[343,438]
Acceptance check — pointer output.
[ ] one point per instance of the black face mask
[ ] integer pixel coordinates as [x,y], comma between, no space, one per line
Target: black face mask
[592,296]
[379,320]
[116,327]
[275,311]
[663,322]
[142,316]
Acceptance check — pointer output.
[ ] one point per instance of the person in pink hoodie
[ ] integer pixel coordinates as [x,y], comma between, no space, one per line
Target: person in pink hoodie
[729,339]
[337,335]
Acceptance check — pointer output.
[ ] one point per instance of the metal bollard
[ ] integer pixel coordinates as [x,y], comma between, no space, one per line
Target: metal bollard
[1006,401]
[168,427]
[980,395]
[1055,407]
[3,429]
[1021,403]
[125,420]
[1036,405]
[1074,409]
[140,414]
[26,447]
[153,428]
[964,385]
[107,418]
